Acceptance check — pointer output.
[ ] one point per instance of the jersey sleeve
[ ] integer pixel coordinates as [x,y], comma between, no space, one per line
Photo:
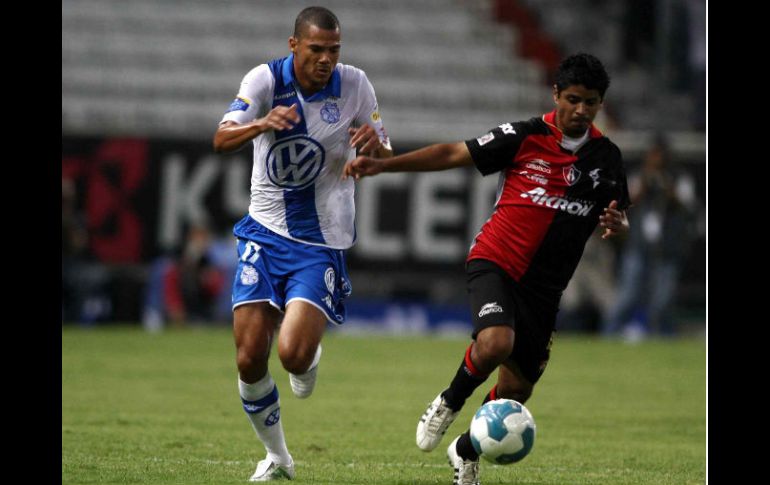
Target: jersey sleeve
[495,150]
[253,96]
[368,111]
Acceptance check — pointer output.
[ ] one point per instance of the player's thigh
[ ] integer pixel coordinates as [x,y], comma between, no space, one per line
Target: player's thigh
[301,332]
[254,325]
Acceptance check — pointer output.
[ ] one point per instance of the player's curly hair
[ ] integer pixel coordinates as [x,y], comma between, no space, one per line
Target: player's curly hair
[582,69]
[321,17]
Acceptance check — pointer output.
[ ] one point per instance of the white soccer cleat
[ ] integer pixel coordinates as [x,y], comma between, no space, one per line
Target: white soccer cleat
[466,471]
[434,423]
[268,470]
[302,385]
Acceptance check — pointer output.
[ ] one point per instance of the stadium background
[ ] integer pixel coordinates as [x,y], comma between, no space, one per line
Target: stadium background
[144,84]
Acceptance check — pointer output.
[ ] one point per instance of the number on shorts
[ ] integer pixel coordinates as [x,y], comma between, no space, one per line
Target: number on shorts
[251,252]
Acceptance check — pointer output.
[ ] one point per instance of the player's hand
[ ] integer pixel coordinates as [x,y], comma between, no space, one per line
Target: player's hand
[613,221]
[281,118]
[365,139]
[361,167]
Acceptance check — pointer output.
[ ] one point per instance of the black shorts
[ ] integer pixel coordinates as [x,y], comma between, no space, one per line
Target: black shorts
[497,299]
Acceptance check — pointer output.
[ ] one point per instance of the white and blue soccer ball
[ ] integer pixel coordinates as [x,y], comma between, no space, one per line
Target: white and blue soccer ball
[503,431]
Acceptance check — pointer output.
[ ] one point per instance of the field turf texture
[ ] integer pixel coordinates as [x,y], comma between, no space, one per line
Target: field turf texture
[141,408]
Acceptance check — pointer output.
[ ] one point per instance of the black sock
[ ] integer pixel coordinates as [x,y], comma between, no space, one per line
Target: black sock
[467,379]
[465,448]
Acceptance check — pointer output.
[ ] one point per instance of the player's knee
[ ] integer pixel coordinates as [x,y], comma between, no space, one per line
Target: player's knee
[250,358]
[296,358]
[493,347]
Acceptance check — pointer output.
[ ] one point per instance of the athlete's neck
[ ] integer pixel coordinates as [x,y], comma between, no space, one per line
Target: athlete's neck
[574,143]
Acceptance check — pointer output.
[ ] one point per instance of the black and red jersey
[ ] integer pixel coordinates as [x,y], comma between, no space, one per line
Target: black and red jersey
[549,199]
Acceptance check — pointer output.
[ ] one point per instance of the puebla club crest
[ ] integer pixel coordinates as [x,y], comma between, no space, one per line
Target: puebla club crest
[330,113]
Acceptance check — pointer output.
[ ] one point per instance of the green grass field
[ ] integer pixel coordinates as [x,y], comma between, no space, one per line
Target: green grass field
[164,409]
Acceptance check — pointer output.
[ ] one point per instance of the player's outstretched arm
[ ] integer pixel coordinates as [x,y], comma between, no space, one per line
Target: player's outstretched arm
[232,136]
[429,159]
[614,222]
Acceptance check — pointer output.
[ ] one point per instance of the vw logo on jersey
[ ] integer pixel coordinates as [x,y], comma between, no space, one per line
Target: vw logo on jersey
[330,113]
[295,162]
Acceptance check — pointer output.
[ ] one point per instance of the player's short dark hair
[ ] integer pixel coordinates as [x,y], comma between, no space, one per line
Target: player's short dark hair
[321,17]
[582,69]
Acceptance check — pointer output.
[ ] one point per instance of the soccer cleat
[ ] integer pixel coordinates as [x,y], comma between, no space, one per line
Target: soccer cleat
[268,470]
[434,423]
[302,385]
[466,471]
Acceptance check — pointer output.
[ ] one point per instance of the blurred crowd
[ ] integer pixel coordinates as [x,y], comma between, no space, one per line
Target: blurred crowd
[192,286]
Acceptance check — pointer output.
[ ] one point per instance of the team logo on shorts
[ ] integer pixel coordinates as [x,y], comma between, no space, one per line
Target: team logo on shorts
[329,279]
[330,113]
[571,174]
[249,275]
[490,308]
[295,162]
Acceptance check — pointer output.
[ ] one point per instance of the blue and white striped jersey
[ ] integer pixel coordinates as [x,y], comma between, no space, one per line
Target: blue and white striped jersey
[296,185]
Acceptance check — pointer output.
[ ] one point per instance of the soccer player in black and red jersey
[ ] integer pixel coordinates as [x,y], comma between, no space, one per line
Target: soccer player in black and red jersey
[559,178]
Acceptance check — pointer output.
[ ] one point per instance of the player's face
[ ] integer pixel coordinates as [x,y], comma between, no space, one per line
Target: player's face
[316,52]
[576,108]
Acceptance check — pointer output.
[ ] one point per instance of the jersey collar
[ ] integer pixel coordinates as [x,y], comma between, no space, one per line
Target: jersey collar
[550,120]
[332,89]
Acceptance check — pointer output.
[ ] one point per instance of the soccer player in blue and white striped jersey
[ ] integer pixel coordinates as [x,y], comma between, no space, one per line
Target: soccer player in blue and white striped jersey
[306,115]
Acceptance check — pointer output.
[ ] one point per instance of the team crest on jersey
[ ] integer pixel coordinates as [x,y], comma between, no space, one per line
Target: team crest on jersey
[330,113]
[295,162]
[329,279]
[571,174]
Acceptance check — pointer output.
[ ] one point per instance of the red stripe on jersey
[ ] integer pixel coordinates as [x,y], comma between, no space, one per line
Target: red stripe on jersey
[526,207]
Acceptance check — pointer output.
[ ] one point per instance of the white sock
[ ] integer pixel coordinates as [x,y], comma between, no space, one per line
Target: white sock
[263,408]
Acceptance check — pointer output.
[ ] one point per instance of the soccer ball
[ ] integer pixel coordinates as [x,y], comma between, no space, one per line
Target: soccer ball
[503,431]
